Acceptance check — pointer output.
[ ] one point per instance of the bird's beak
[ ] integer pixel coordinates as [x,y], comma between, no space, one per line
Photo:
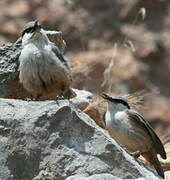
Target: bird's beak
[105,96]
[109,98]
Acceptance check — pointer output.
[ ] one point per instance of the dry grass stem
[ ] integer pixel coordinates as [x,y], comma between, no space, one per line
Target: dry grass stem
[107,75]
[142,11]
[128,43]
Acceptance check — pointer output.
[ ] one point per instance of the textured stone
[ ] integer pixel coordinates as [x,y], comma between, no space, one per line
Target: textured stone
[100,177]
[94,177]
[83,98]
[55,140]
[8,65]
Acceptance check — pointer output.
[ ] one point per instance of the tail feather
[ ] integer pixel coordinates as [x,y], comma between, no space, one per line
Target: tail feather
[153,159]
[158,168]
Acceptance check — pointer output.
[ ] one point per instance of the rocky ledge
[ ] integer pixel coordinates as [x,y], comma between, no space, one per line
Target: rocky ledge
[49,140]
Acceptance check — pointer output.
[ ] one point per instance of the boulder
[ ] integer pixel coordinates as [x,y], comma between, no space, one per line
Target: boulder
[43,140]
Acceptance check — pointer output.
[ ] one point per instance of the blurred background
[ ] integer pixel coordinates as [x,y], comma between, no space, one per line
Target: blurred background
[110,46]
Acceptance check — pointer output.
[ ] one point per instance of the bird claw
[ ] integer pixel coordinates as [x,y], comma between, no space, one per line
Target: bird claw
[27,99]
[135,154]
[58,98]
[61,97]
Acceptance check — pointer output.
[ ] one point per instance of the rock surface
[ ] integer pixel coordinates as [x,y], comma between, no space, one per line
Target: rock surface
[93,177]
[100,177]
[8,66]
[82,99]
[49,140]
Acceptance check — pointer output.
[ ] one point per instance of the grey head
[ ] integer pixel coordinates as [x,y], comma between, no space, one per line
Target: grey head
[116,102]
[31,27]
[33,32]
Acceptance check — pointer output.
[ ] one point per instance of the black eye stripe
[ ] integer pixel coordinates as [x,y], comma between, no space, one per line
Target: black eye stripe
[122,102]
[28,30]
[116,100]
[31,27]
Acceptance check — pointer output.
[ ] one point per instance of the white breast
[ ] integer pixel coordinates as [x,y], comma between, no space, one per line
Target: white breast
[122,130]
[117,121]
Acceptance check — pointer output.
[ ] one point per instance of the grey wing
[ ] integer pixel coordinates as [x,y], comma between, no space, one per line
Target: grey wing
[157,143]
[60,56]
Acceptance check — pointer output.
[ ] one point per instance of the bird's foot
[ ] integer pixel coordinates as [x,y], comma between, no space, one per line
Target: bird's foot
[28,99]
[58,98]
[61,97]
[135,154]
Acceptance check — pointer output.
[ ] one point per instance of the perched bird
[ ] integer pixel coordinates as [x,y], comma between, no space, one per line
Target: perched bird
[132,131]
[43,70]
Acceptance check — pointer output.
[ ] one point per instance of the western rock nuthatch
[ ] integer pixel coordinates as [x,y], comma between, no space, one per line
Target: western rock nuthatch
[132,131]
[44,70]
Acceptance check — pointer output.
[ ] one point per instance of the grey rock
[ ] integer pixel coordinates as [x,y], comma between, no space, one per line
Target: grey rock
[83,98]
[94,177]
[9,55]
[51,140]
[103,177]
